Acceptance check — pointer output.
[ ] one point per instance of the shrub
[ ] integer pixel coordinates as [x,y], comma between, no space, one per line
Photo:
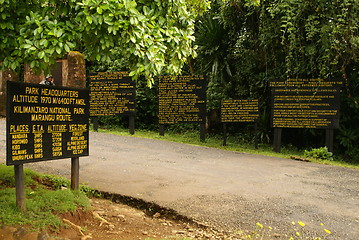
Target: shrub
[321,153]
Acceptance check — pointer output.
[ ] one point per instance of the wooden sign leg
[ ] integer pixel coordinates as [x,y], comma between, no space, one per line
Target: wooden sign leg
[20,187]
[277,139]
[95,123]
[202,130]
[75,173]
[131,120]
[162,129]
[329,139]
[256,134]
[224,134]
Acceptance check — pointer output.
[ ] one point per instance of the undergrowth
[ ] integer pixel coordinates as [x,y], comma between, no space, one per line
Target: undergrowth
[46,197]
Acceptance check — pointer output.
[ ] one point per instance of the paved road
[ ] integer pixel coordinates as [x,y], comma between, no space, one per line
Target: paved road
[225,189]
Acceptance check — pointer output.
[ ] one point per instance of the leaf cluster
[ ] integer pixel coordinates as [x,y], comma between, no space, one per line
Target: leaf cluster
[156,36]
[321,153]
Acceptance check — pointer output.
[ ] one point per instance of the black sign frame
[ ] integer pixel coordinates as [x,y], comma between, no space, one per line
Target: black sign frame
[29,124]
[196,86]
[312,98]
[113,79]
[253,115]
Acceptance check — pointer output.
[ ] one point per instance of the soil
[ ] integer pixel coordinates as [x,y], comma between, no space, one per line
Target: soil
[111,221]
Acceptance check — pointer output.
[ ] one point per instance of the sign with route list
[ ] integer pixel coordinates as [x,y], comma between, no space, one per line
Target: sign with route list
[182,99]
[46,122]
[236,110]
[305,103]
[112,93]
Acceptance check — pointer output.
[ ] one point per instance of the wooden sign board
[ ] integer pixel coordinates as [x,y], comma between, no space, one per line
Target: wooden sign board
[236,110]
[182,99]
[112,93]
[305,103]
[46,122]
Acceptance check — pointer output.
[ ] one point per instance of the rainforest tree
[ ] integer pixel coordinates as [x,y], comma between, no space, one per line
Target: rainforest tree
[155,35]
[253,42]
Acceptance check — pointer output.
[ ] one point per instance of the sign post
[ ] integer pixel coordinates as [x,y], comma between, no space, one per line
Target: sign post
[305,103]
[162,129]
[236,110]
[20,187]
[75,173]
[329,139]
[45,123]
[277,142]
[182,99]
[112,93]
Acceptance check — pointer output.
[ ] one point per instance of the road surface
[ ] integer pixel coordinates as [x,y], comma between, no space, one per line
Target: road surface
[227,190]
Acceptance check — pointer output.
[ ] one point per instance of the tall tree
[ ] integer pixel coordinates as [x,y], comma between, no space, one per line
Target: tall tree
[273,39]
[156,35]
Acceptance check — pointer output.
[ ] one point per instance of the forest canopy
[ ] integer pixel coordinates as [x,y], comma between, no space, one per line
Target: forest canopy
[155,35]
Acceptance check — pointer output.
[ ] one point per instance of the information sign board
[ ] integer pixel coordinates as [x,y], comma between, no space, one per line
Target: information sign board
[182,99]
[46,122]
[112,93]
[305,103]
[236,110]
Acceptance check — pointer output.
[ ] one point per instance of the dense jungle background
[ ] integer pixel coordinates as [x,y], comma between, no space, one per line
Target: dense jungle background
[242,45]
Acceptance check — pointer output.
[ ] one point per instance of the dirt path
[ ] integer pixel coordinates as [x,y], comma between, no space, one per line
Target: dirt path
[228,190]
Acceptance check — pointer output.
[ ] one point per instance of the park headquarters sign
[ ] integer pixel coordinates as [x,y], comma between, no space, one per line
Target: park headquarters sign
[46,122]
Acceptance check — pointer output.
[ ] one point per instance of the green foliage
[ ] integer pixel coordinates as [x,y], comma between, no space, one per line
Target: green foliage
[146,105]
[42,204]
[212,60]
[59,183]
[321,153]
[55,182]
[89,191]
[7,178]
[259,41]
[156,36]
[244,44]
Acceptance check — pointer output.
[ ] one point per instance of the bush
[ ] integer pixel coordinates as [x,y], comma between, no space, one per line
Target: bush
[319,154]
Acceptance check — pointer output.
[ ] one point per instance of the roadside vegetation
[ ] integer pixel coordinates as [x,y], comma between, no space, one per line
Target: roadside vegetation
[47,196]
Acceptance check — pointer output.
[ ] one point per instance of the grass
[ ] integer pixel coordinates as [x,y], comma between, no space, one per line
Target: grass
[233,144]
[43,200]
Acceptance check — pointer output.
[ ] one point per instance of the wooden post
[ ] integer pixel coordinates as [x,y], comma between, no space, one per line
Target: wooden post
[224,134]
[131,121]
[277,139]
[20,187]
[329,139]
[75,173]
[162,129]
[202,130]
[95,123]
[256,134]
[76,77]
